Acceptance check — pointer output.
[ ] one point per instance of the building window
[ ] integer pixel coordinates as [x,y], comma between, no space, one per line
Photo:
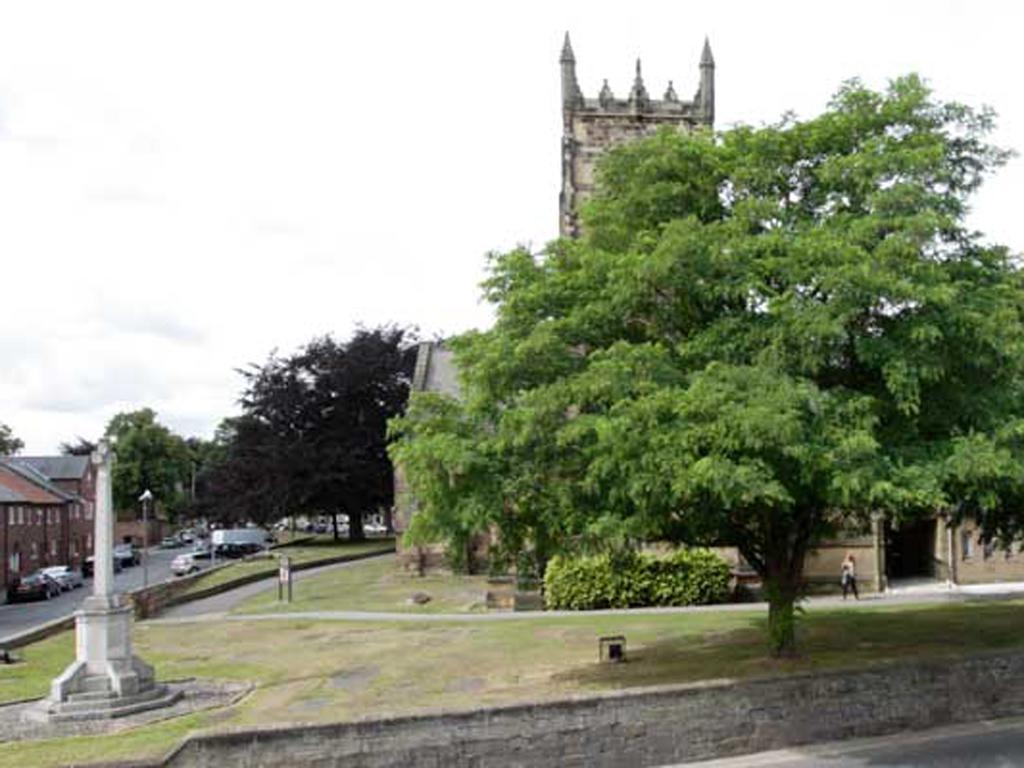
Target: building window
[35,550]
[53,548]
[967,544]
[988,548]
[14,561]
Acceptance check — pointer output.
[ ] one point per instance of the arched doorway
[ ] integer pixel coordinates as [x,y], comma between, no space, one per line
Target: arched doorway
[910,550]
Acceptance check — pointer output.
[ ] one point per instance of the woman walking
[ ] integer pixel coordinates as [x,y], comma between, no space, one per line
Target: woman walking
[848,576]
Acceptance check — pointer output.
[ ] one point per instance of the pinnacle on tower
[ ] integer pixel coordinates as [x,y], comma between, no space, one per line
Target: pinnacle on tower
[572,96]
[605,97]
[670,93]
[567,54]
[638,95]
[706,59]
[706,93]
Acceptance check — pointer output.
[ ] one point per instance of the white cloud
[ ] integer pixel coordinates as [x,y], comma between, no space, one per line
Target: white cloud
[185,186]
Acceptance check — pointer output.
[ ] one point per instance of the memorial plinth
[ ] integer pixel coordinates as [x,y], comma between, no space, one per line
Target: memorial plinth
[106,679]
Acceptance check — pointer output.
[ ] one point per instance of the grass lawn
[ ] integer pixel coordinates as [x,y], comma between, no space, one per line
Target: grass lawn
[309,671]
[376,585]
[321,548]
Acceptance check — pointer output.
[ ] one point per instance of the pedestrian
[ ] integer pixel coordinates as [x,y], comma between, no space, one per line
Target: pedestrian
[848,576]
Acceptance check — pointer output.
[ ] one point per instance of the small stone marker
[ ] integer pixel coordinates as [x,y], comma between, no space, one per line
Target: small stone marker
[419,598]
[611,649]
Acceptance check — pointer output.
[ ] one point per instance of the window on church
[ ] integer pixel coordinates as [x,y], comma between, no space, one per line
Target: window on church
[966,544]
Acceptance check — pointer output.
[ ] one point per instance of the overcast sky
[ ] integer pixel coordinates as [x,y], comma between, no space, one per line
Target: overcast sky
[185,186]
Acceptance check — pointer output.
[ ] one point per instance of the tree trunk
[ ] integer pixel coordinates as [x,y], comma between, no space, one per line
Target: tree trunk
[334,520]
[782,595]
[355,527]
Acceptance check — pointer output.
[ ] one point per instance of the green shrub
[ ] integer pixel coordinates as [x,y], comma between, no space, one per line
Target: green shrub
[685,577]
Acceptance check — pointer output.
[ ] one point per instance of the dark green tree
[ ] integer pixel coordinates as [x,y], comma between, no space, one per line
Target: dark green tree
[81,447]
[312,436]
[764,335]
[9,444]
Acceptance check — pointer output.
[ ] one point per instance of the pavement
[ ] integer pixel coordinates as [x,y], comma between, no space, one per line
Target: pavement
[18,617]
[908,593]
[986,744]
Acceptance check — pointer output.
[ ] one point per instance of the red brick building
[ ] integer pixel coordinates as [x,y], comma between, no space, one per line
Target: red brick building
[46,512]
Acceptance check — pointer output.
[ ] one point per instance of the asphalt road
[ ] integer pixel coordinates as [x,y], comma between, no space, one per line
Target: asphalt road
[20,616]
[991,744]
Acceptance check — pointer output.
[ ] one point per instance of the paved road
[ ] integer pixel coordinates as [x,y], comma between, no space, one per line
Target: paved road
[20,616]
[993,744]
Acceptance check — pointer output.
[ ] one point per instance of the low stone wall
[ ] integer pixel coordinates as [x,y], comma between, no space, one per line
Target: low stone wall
[645,728]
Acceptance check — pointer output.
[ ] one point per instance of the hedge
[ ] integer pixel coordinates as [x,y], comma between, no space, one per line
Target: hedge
[684,577]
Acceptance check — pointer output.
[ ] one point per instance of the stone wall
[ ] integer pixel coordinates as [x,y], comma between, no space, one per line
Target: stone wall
[645,728]
[976,563]
[822,565]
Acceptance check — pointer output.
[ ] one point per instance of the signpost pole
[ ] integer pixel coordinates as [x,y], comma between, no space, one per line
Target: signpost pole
[284,577]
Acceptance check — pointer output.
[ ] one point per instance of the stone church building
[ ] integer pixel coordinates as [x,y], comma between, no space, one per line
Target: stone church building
[924,550]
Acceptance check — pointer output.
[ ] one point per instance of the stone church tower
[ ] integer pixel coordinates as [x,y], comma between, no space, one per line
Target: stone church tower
[591,126]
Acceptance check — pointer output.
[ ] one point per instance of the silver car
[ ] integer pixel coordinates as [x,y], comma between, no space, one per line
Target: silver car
[65,575]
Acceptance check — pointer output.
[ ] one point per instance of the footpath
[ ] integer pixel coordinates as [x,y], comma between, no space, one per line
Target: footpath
[217,608]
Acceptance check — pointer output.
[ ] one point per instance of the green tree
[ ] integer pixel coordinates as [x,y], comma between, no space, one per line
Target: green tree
[9,444]
[764,335]
[149,456]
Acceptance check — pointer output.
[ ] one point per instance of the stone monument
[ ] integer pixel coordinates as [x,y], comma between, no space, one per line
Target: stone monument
[106,679]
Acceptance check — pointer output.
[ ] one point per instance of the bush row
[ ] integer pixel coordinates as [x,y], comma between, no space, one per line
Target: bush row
[684,577]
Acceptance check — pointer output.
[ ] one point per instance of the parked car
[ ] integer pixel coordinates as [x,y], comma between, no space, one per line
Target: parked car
[35,586]
[374,529]
[127,554]
[170,542]
[65,575]
[87,567]
[230,551]
[182,565]
[186,536]
[202,552]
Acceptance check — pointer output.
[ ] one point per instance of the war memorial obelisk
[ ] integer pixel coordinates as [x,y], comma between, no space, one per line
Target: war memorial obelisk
[106,679]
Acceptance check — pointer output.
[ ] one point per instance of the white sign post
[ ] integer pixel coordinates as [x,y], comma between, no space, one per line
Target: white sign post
[284,578]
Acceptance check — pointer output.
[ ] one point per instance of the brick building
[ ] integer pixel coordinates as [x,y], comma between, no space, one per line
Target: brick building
[46,512]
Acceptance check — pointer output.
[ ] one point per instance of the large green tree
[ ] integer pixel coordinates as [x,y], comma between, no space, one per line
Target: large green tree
[149,456]
[764,335]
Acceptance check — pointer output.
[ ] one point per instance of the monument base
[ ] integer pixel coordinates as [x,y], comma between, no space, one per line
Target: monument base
[106,679]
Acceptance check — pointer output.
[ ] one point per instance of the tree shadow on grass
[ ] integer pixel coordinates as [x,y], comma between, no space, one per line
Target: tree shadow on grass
[831,639]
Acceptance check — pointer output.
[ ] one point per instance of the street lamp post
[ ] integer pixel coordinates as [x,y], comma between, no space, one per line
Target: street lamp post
[147,501]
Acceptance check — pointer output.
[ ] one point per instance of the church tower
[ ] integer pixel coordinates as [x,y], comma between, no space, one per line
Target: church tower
[591,126]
